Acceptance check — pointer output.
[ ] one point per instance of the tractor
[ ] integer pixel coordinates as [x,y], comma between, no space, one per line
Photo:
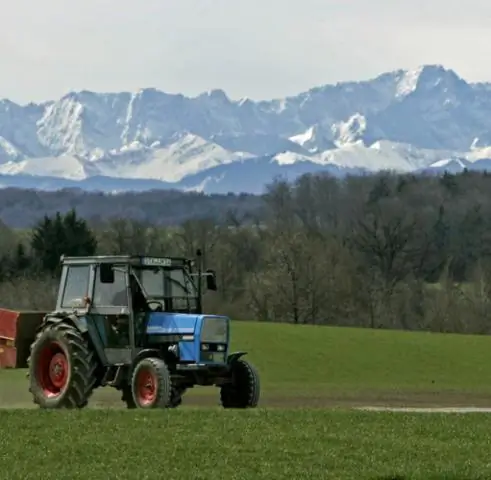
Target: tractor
[135,323]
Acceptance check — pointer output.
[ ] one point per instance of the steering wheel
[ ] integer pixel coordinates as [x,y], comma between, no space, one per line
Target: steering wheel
[159,305]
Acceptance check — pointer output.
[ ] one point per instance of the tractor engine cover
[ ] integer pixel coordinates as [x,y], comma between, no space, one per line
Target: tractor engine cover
[200,338]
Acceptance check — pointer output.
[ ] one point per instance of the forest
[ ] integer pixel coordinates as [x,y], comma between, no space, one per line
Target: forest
[378,251]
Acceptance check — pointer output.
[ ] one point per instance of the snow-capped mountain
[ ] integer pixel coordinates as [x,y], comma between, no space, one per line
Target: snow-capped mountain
[428,119]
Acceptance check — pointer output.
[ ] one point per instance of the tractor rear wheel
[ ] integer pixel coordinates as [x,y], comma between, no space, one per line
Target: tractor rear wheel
[244,389]
[151,384]
[62,367]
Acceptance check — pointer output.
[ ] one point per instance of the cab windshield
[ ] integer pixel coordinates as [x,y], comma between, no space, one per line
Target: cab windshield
[174,285]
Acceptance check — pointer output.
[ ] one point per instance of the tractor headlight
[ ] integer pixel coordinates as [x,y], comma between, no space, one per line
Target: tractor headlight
[214,330]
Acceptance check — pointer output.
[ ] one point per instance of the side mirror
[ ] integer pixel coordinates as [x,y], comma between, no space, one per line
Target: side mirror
[211,280]
[106,273]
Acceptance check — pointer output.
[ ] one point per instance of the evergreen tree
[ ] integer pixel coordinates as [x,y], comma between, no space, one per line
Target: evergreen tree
[21,261]
[62,235]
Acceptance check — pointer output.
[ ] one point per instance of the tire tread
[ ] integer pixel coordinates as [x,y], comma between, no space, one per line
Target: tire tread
[244,391]
[82,360]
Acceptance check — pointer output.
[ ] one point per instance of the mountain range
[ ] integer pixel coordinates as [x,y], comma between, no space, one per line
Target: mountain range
[424,120]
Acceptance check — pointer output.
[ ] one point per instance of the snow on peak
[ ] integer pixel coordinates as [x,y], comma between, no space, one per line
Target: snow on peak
[132,147]
[64,166]
[244,101]
[147,133]
[187,155]
[351,131]
[290,158]
[315,139]
[427,77]
[408,82]
[60,128]
[303,138]
[9,151]
[445,162]
[481,142]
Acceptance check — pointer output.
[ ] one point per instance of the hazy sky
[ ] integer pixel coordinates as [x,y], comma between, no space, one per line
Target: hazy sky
[255,48]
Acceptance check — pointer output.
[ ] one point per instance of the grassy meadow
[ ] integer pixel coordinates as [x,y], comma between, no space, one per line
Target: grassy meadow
[303,368]
[323,366]
[259,444]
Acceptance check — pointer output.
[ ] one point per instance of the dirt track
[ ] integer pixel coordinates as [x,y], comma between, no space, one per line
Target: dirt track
[408,402]
[14,394]
[428,410]
[413,400]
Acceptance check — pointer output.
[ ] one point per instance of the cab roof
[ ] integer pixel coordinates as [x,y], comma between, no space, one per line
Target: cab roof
[134,260]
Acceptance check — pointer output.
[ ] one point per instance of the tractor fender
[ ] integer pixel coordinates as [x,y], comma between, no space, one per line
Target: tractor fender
[80,323]
[147,352]
[233,357]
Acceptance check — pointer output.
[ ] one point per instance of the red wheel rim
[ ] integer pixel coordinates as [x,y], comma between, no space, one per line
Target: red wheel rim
[52,369]
[146,384]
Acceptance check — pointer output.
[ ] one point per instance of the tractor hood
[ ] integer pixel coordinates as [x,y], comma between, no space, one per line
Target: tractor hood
[163,323]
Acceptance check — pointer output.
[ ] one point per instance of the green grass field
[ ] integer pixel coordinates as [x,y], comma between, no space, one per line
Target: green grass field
[319,366]
[262,444]
[302,368]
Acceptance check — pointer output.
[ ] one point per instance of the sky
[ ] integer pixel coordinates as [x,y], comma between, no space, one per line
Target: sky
[259,49]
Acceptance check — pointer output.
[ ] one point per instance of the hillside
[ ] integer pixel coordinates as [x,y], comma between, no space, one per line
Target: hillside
[422,119]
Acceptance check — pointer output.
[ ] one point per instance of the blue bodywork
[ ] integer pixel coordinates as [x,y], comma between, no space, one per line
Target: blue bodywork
[185,325]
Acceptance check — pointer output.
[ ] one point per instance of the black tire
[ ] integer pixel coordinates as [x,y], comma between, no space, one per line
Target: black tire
[61,347]
[176,397]
[151,384]
[244,390]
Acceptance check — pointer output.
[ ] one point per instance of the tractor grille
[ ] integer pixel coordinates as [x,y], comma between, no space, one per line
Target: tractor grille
[214,352]
[215,357]
[214,330]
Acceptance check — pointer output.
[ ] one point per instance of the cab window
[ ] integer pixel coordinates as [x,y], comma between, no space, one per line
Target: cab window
[111,294]
[76,286]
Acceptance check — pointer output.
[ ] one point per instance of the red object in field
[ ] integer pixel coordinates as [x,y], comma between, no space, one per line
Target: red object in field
[8,356]
[8,324]
[17,332]
[8,329]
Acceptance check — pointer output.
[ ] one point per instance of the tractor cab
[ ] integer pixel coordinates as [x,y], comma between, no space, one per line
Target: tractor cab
[172,285]
[166,284]
[125,290]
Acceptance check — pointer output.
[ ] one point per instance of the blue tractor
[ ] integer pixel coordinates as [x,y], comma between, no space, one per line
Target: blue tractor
[135,323]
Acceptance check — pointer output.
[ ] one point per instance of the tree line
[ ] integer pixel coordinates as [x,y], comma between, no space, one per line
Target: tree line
[379,251]
[23,208]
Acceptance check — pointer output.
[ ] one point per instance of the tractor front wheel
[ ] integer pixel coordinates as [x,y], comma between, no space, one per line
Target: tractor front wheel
[176,397]
[151,384]
[244,389]
[62,367]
